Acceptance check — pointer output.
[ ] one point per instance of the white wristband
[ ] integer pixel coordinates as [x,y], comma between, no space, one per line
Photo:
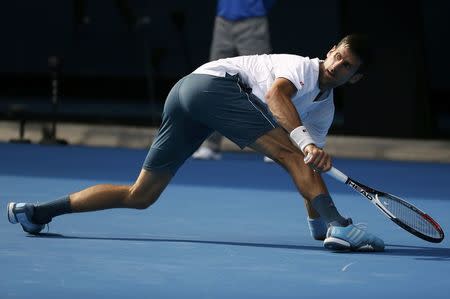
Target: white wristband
[301,138]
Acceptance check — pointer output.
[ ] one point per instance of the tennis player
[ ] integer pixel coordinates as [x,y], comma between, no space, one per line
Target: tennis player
[280,105]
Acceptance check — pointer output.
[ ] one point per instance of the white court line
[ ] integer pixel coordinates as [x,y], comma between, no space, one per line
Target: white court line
[346,266]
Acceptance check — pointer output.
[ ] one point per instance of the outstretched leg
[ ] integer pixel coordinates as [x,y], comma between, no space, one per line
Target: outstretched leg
[178,137]
[143,193]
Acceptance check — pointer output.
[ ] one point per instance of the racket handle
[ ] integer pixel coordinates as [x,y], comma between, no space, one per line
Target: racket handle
[338,175]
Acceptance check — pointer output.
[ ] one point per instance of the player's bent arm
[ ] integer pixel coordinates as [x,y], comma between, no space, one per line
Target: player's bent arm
[279,100]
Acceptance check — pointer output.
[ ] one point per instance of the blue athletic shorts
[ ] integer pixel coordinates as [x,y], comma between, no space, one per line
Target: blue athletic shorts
[197,106]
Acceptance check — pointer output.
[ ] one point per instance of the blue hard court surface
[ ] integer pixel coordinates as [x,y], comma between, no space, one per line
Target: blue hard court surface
[234,228]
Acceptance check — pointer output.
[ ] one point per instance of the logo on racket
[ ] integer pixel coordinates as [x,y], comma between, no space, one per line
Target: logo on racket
[360,190]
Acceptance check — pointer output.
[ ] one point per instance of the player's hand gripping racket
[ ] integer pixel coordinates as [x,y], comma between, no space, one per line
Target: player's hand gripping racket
[398,210]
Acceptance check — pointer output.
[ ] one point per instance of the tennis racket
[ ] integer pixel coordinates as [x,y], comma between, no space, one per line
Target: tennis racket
[401,212]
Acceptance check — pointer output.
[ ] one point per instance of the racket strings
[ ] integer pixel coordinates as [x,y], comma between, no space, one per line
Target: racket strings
[408,216]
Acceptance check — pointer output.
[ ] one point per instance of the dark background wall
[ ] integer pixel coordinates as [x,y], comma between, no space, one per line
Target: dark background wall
[110,61]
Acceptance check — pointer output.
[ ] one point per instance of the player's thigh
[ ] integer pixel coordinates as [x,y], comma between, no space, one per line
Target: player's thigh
[277,145]
[225,105]
[178,136]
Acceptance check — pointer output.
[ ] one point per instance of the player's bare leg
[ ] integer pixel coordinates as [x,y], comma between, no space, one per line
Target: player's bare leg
[341,233]
[277,145]
[143,193]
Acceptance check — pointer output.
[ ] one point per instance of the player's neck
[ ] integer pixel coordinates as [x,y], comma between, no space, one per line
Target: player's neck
[324,88]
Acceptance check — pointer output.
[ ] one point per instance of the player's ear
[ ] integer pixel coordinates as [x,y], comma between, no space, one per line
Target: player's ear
[355,78]
[331,51]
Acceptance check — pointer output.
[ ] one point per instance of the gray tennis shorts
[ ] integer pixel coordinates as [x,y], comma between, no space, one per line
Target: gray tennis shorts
[197,106]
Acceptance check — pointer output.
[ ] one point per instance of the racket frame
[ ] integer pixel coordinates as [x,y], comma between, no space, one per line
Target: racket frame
[373,194]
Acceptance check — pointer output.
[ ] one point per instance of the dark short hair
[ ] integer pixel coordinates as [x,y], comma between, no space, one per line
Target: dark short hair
[359,46]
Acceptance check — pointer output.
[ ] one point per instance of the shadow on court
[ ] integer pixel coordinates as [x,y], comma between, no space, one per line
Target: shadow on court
[421,253]
[164,240]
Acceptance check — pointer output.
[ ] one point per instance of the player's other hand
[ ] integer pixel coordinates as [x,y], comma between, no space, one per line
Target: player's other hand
[317,158]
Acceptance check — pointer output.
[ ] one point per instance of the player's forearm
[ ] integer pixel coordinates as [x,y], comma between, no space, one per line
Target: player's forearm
[283,110]
[279,100]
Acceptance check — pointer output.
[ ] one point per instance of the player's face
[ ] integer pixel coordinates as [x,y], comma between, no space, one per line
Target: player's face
[339,67]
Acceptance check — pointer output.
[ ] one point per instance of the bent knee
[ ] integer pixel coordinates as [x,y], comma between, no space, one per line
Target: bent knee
[142,204]
[139,201]
[290,159]
[295,165]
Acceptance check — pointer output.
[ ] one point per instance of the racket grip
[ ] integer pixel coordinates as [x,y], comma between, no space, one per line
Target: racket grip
[338,175]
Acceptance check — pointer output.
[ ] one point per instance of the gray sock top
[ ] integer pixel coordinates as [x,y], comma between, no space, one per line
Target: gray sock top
[324,205]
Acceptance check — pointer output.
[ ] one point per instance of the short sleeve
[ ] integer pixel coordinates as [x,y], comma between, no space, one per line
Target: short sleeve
[294,68]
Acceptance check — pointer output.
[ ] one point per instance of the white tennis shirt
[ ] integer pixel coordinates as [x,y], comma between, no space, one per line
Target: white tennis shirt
[260,71]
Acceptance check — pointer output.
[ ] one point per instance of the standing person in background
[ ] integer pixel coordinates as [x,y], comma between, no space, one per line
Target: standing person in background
[241,28]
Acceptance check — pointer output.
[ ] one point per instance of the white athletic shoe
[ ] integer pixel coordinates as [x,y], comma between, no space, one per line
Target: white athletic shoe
[205,153]
[23,213]
[268,160]
[351,237]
